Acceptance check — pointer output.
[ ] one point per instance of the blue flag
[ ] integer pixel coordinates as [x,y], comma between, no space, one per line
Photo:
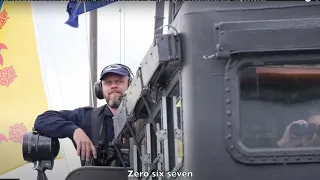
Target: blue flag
[75,8]
[1,2]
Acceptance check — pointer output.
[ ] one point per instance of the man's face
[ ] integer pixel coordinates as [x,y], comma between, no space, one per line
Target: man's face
[114,86]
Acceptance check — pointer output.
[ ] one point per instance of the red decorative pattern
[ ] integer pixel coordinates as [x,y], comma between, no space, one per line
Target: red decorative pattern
[2,46]
[3,18]
[16,132]
[3,138]
[7,76]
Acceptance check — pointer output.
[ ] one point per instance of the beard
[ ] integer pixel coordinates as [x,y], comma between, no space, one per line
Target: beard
[114,100]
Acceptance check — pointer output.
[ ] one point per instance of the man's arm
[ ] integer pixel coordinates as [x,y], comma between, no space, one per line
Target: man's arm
[59,124]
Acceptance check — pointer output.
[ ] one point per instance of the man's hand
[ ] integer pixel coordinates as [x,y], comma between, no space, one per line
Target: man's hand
[287,140]
[84,145]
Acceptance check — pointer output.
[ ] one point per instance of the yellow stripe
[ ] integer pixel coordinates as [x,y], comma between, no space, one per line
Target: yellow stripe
[22,93]
[178,103]
[180,143]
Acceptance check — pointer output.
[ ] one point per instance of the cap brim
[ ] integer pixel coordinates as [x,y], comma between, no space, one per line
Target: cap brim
[114,71]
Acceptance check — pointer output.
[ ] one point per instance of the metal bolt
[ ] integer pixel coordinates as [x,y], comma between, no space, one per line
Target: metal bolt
[228,112]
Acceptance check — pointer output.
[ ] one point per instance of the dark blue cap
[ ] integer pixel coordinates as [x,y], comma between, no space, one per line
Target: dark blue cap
[115,68]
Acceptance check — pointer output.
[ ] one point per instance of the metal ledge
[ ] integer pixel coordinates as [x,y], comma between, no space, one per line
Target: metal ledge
[133,93]
[267,36]
[98,173]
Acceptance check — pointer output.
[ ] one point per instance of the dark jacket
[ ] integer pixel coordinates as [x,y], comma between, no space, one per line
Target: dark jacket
[62,124]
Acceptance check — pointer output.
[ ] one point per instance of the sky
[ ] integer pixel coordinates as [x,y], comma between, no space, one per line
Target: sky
[64,51]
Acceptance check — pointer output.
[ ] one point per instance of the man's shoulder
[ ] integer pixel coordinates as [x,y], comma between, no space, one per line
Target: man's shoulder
[90,108]
[84,110]
[87,107]
[99,108]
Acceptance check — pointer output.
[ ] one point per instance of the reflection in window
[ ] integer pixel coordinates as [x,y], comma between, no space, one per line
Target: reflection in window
[177,147]
[176,93]
[280,106]
[180,145]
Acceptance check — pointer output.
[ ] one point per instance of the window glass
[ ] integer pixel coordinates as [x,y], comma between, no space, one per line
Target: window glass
[280,106]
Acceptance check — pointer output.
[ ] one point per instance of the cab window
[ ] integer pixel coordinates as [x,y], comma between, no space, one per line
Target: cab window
[280,102]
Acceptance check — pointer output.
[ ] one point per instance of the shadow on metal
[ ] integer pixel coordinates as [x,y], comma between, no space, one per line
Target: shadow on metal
[98,173]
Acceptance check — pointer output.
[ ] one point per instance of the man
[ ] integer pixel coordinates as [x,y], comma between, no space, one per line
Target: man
[310,139]
[76,124]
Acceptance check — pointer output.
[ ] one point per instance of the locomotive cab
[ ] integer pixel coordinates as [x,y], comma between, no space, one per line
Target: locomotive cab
[214,96]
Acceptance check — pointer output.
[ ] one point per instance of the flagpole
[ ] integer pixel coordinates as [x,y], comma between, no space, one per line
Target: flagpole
[93,55]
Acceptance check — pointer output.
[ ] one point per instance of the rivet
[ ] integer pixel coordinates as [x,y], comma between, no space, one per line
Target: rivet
[228,101]
[227,90]
[228,112]
[227,78]
[229,136]
[217,47]
[228,123]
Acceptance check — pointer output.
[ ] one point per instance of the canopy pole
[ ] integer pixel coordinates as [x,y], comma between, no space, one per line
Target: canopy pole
[93,55]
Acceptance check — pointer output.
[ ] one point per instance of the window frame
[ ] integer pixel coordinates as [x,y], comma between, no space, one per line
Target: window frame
[161,146]
[232,112]
[175,81]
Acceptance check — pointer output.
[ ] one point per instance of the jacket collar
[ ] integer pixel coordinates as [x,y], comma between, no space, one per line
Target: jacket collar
[107,111]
